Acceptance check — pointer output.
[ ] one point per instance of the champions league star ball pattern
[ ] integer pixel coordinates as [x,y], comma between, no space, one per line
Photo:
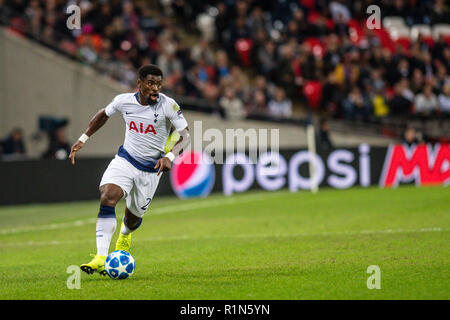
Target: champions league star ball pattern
[192,175]
[119,265]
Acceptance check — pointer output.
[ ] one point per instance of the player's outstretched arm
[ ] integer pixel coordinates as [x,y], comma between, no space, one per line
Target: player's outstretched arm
[165,163]
[96,123]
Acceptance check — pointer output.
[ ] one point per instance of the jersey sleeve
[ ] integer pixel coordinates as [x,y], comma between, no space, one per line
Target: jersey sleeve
[175,116]
[113,107]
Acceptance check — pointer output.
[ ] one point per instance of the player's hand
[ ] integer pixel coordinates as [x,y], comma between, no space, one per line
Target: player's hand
[163,164]
[75,148]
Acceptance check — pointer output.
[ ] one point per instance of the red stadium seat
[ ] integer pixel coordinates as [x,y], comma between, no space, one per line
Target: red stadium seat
[330,24]
[356,31]
[308,3]
[17,26]
[385,39]
[313,16]
[429,41]
[317,48]
[404,42]
[389,93]
[313,93]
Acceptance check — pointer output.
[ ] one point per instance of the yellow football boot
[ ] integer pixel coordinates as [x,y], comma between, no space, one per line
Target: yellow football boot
[95,265]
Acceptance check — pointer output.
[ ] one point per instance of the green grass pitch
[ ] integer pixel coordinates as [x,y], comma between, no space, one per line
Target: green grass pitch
[257,245]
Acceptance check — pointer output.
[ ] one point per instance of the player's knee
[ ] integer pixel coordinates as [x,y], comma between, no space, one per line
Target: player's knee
[110,197]
[107,200]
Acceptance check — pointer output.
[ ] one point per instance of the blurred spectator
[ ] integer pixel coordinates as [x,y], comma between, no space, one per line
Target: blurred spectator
[257,104]
[331,95]
[205,24]
[262,85]
[169,63]
[440,12]
[339,11]
[280,106]
[417,81]
[239,81]
[444,99]
[202,49]
[232,105]
[222,65]
[323,140]
[377,80]
[356,105]
[59,147]
[405,90]
[426,102]
[268,58]
[441,77]
[379,102]
[401,102]
[410,136]
[401,71]
[363,73]
[13,145]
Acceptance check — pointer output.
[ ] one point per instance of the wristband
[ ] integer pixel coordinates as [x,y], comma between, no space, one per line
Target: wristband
[83,138]
[171,156]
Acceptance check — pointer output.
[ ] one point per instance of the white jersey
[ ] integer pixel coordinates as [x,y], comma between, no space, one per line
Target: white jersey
[147,127]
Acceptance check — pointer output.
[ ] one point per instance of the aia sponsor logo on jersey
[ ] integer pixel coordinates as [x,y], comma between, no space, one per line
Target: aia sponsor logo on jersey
[424,164]
[192,175]
[141,128]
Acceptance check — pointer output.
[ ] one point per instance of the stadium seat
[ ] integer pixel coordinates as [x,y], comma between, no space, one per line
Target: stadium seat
[447,39]
[308,4]
[313,93]
[405,42]
[356,31]
[399,32]
[393,21]
[420,29]
[313,16]
[429,41]
[385,40]
[330,24]
[90,38]
[317,48]
[389,93]
[424,31]
[17,26]
[441,29]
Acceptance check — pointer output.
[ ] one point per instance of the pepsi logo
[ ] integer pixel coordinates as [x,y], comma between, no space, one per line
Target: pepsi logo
[192,175]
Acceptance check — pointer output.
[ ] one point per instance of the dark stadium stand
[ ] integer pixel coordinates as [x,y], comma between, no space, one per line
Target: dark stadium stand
[223,56]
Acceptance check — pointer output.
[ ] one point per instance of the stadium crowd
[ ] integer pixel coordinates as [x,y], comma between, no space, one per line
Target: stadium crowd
[258,57]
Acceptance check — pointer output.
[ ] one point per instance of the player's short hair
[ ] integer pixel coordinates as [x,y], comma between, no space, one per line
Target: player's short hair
[149,69]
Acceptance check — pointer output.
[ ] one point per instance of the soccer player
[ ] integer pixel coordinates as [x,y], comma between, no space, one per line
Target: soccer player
[135,171]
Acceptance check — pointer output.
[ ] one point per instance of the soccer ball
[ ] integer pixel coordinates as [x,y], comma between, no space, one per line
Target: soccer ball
[119,264]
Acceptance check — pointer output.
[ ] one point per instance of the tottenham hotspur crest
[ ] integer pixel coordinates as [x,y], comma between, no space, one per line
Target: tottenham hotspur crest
[156,117]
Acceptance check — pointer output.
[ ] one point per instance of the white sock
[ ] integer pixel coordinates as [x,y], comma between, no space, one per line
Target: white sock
[104,231]
[125,231]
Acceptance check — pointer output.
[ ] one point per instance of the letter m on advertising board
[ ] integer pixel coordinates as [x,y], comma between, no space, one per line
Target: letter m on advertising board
[423,164]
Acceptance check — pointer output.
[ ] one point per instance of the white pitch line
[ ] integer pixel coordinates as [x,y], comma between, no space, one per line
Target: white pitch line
[157,211]
[244,236]
[53,226]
